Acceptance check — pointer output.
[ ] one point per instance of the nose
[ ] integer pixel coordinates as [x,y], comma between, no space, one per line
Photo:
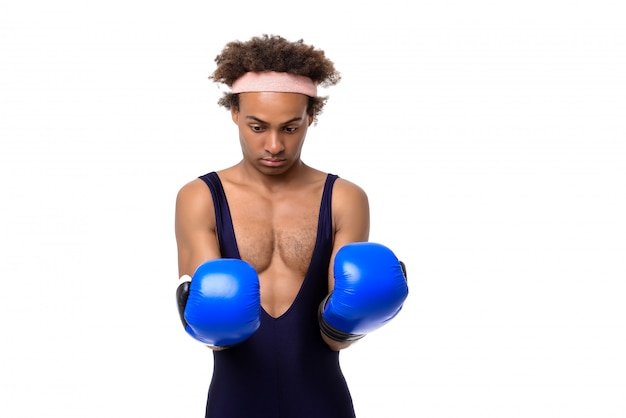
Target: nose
[274,143]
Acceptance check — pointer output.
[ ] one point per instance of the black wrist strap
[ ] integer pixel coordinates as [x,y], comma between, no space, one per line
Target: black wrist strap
[182,293]
[332,332]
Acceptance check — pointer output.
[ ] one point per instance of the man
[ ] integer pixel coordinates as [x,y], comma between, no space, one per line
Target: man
[276,272]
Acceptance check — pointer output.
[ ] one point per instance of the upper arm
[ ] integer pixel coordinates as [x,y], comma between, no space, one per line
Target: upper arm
[195,230]
[351,218]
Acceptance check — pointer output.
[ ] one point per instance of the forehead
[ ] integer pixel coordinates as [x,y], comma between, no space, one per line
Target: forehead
[269,105]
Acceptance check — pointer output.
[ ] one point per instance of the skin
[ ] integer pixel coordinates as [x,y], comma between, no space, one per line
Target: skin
[274,201]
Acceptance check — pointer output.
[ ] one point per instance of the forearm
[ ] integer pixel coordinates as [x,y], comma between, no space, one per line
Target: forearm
[335,345]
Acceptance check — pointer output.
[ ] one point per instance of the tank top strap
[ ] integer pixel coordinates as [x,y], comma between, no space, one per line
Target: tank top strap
[223,220]
[325,227]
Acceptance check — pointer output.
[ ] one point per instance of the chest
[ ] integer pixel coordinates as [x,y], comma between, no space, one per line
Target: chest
[277,233]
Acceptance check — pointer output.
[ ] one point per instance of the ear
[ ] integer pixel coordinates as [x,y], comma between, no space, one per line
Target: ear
[234,114]
[311,118]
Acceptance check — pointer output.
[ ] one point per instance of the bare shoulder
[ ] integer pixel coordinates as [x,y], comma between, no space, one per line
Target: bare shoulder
[196,189]
[194,200]
[347,193]
[195,227]
[351,213]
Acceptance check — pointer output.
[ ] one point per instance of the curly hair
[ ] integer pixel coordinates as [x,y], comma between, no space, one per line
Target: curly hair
[274,53]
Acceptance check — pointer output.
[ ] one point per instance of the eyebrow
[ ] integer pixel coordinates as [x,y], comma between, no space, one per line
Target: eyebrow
[296,119]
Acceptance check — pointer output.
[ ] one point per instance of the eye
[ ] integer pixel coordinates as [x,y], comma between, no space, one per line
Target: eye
[291,129]
[256,128]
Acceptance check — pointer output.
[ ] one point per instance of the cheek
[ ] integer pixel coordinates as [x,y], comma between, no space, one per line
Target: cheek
[249,142]
[243,142]
[295,147]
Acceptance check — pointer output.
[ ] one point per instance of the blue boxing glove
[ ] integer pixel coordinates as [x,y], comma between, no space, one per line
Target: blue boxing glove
[370,289]
[221,304]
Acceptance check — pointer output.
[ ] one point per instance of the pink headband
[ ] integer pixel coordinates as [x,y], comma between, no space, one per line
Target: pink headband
[276,82]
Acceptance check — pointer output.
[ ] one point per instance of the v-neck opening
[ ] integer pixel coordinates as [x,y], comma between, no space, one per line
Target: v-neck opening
[316,249]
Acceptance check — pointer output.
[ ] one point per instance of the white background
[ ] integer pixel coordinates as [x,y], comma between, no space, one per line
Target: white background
[490,136]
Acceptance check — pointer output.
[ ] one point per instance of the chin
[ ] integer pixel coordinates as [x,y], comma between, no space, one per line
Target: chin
[274,171]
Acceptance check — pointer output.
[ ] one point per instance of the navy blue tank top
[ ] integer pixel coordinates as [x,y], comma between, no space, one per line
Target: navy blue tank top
[284,370]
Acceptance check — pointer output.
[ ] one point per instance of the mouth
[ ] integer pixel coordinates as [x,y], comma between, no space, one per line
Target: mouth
[273,162]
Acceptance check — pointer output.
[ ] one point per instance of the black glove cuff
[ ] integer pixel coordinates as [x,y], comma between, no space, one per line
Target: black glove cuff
[403,270]
[182,294]
[332,332]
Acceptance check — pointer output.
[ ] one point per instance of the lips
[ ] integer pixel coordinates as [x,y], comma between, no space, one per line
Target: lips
[272,162]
